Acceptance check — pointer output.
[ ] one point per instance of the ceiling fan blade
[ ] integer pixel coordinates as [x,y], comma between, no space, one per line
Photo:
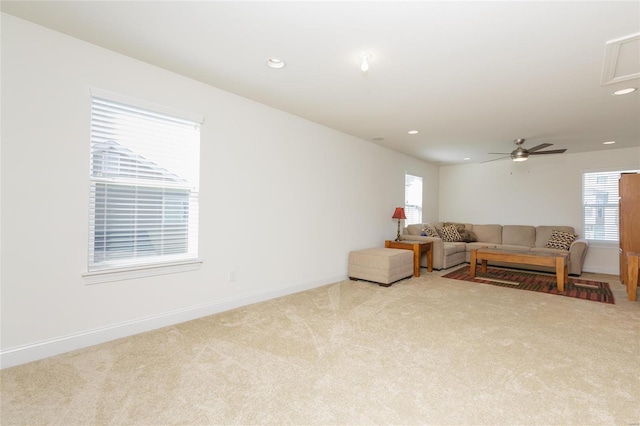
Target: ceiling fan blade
[501,153]
[539,147]
[553,151]
[488,161]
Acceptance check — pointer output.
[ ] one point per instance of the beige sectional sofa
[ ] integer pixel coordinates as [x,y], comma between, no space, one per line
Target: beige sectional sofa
[512,237]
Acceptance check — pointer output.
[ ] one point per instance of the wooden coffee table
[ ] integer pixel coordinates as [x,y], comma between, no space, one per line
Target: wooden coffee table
[559,261]
[418,248]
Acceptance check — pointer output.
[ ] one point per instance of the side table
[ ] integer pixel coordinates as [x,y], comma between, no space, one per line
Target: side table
[418,248]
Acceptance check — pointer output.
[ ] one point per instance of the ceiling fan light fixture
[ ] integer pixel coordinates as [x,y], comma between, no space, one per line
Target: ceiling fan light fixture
[519,155]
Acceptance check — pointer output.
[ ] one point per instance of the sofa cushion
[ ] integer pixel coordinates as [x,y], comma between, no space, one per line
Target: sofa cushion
[415,229]
[519,235]
[452,248]
[516,248]
[543,233]
[488,233]
[480,245]
[449,233]
[560,240]
[547,250]
[460,247]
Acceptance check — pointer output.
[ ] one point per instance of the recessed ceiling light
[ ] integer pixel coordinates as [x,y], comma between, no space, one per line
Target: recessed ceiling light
[413,132]
[276,63]
[624,91]
[609,142]
[467,158]
[364,66]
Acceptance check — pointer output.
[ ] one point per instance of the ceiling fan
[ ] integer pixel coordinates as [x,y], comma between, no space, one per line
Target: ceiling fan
[522,154]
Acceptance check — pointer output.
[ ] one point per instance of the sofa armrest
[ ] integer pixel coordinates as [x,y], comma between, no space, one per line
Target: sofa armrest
[577,253]
[438,249]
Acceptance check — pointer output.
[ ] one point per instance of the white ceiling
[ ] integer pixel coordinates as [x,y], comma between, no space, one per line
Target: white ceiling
[470,76]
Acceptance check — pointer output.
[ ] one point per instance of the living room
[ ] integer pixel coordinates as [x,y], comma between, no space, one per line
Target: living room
[282,201]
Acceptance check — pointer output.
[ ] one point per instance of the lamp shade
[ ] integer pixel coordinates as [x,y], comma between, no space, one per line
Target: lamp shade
[399,213]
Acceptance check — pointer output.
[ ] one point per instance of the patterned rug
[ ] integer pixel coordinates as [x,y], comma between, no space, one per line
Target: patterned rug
[540,282]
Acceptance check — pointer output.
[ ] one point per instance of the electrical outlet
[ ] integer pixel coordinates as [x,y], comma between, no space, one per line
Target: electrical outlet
[231,276]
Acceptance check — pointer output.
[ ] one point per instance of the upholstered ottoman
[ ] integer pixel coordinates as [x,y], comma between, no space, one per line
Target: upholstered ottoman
[380,265]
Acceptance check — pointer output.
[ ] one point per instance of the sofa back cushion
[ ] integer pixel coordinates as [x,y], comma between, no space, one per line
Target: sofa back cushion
[415,229]
[459,226]
[489,233]
[543,233]
[519,235]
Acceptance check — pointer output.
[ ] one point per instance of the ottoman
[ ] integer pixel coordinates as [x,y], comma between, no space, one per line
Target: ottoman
[380,265]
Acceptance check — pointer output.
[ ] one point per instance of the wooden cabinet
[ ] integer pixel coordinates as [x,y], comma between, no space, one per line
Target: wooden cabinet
[629,192]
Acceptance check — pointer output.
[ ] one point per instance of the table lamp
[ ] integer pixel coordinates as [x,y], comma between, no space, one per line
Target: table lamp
[399,214]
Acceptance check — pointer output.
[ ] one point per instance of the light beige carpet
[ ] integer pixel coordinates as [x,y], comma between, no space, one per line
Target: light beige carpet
[427,350]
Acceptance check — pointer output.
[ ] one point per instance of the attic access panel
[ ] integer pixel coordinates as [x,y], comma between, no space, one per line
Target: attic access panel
[621,59]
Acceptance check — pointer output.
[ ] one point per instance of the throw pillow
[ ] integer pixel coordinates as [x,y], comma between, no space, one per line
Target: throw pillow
[459,226]
[468,236]
[560,240]
[450,233]
[429,231]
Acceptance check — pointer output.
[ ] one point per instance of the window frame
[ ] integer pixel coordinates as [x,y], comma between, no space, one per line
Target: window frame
[409,208]
[134,267]
[600,208]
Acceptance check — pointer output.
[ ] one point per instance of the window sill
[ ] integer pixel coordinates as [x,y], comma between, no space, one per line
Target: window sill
[96,277]
[603,244]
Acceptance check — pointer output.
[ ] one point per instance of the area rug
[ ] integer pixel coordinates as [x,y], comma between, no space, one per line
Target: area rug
[543,283]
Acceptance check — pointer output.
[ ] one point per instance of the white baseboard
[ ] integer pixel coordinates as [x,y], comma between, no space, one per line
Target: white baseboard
[51,347]
[599,270]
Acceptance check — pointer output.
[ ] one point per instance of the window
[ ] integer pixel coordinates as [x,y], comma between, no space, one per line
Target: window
[143,204]
[413,199]
[600,205]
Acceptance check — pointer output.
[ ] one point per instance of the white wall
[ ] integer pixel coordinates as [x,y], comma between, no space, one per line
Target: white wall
[545,190]
[283,200]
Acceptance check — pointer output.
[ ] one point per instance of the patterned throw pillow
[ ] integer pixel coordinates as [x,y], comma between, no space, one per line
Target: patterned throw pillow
[450,233]
[429,231]
[459,226]
[560,240]
[467,236]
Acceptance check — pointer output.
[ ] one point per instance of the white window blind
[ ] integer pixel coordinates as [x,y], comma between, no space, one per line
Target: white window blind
[600,205]
[413,199]
[143,205]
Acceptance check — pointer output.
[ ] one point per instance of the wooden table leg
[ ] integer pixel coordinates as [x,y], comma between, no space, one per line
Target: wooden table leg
[416,260]
[560,272]
[474,263]
[483,266]
[632,277]
[430,258]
